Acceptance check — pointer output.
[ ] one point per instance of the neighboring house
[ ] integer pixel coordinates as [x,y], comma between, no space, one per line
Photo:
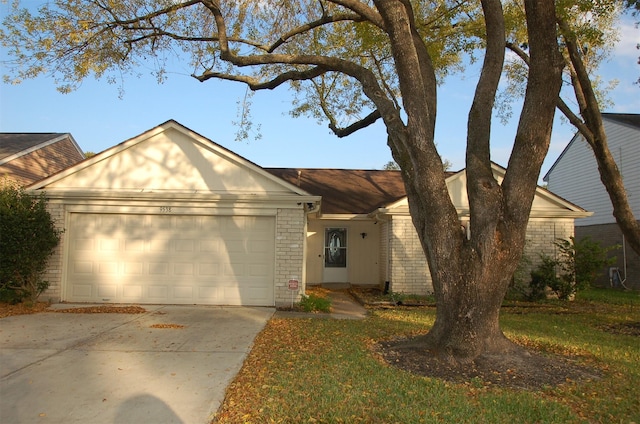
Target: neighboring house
[575,177]
[28,157]
[171,217]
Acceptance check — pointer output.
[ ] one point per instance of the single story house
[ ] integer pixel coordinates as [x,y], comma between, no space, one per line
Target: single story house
[28,157]
[171,217]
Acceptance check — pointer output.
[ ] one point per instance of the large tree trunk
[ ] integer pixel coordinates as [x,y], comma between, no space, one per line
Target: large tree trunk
[471,276]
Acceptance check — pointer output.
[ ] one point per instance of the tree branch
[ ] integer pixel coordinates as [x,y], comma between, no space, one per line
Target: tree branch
[587,99]
[311,25]
[562,105]
[363,123]
[363,10]
[173,8]
[255,84]
[533,134]
[484,192]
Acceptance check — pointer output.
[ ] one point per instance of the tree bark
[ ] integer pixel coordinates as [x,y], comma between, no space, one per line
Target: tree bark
[470,277]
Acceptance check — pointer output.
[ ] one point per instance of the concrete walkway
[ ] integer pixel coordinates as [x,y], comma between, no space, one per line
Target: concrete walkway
[171,364]
[343,306]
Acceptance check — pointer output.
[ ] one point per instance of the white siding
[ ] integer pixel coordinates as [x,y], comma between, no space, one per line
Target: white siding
[575,175]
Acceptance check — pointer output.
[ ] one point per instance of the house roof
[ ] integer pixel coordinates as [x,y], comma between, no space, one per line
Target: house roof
[15,144]
[29,157]
[346,191]
[632,119]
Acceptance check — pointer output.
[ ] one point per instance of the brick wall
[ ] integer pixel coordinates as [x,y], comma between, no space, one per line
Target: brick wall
[409,269]
[610,235]
[290,233]
[409,272]
[541,235]
[53,273]
[383,272]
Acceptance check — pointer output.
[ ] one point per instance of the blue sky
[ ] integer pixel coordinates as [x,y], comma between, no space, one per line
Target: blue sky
[98,118]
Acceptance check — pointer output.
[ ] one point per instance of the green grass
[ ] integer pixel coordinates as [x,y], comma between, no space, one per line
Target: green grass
[312,370]
[610,296]
[314,303]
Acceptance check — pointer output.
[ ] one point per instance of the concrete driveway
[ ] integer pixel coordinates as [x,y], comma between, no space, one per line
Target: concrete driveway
[171,364]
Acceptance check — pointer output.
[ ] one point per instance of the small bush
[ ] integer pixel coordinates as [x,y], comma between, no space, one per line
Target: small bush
[28,237]
[10,296]
[542,277]
[313,303]
[575,269]
[583,259]
[520,287]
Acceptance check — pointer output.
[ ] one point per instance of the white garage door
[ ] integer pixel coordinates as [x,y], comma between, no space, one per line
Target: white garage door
[212,260]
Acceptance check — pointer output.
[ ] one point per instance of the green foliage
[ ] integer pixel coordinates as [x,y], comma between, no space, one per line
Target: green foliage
[314,303]
[520,286]
[391,166]
[28,237]
[584,259]
[542,277]
[70,40]
[576,268]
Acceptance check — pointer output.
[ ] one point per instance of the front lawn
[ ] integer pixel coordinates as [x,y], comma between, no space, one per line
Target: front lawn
[322,370]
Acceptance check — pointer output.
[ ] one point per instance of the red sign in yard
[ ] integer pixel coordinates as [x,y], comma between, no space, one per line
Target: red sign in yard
[293,284]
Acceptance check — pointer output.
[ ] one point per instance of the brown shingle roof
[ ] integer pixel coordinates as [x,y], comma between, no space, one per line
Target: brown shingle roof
[28,157]
[346,191]
[13,143]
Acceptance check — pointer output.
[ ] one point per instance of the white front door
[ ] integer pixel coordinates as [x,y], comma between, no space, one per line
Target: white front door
[335,256]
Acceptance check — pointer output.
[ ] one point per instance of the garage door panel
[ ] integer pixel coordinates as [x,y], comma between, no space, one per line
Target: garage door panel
[209,269]
[209,246]
[107,291]
[184,269]
[170,259]
[83,291]
[183,293]
[158,293]
[107,268]
[108,245]
[159,245]
[134,245]
[185,245]
[132,293]
[83,244]
[209,294]
[158,268]
[257,270]
[133,269]
[83,267]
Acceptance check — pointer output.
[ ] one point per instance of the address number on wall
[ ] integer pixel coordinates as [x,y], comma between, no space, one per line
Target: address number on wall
[165,209]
